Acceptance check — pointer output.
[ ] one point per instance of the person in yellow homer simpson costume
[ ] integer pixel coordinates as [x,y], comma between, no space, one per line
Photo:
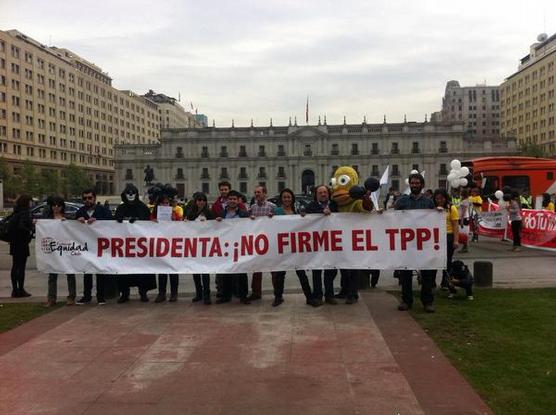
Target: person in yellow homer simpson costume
[351,197]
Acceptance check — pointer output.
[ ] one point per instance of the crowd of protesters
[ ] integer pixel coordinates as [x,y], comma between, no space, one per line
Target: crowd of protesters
[461,209]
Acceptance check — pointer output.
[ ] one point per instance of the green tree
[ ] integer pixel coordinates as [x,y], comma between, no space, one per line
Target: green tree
[76,180]
[31,179]
[532,150]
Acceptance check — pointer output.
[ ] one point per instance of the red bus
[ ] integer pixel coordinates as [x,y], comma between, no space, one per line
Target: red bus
[536,175]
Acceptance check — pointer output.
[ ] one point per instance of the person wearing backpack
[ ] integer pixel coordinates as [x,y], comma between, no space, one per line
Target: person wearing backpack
[21,232]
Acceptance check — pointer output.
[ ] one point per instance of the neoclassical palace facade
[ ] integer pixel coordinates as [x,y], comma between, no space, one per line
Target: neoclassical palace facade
[298,157]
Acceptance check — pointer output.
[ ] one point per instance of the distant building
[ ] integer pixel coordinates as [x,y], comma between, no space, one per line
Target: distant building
[300,157]
[171,113]
[528,99]
[478,107]
[56,108]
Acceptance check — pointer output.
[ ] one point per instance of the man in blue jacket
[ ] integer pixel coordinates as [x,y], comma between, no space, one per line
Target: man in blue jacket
[89,213]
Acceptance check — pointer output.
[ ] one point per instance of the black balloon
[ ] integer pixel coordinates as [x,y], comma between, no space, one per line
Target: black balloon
[357,192]
[372,184]
[507,197]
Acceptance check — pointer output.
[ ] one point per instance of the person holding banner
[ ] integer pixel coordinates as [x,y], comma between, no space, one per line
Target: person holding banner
[55,210]
[323,204]
[163,211]
[199,211]
[261,207]
[88,214]
[133,209]
[416,200]
[442,201]
[514,211]
[233,211]
[287,206]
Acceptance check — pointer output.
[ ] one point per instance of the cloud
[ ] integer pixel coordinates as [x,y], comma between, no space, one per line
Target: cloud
[259,59]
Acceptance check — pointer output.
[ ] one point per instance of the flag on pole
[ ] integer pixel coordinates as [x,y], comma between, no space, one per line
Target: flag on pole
[307,111]
[191,105]
[375,196]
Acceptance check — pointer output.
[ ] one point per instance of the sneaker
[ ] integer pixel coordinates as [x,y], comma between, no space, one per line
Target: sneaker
[160,298]
[404,307]
[429,308]
[223,300]
[196,299]
[470,297]
[451,295]
[83,301]
[101,302]
[24,293]
[330,300]
[70,301]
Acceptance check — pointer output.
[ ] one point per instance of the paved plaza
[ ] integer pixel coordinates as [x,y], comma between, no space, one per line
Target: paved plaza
[245,359]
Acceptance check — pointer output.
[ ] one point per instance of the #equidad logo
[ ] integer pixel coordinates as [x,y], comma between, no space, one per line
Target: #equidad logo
[52,246]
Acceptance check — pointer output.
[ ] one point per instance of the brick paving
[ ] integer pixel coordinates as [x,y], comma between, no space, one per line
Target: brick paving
[225,359]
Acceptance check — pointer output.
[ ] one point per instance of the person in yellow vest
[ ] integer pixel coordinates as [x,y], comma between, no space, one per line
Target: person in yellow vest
[442,201]
[547,204]
[526,200]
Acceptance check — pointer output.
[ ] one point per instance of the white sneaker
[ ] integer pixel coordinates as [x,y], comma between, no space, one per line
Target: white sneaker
[470,297]
[450,295]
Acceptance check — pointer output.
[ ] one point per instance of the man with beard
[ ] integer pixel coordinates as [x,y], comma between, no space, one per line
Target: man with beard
[133,209]
[416,200]
[89,213]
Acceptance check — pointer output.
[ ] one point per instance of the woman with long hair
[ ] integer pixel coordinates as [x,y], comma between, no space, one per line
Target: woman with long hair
[442,201]
[199,211]
[56,208]
[21,230]
[287,206]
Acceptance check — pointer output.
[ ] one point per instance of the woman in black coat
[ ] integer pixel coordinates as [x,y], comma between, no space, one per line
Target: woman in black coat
[21,230]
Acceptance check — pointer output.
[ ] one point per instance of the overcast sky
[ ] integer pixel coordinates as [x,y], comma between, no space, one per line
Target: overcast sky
[261,58]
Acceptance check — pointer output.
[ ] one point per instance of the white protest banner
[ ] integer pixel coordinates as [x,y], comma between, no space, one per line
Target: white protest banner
[413,239]
[493,223]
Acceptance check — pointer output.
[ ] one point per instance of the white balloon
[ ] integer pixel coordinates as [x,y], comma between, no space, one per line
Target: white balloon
[463,182]
[452,176]
[454,183]
[407,181]
[414,172]
[464,171]
[499,194]
[455,164]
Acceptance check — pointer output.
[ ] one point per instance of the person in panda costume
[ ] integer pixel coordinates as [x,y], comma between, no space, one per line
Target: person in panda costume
[132,209]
